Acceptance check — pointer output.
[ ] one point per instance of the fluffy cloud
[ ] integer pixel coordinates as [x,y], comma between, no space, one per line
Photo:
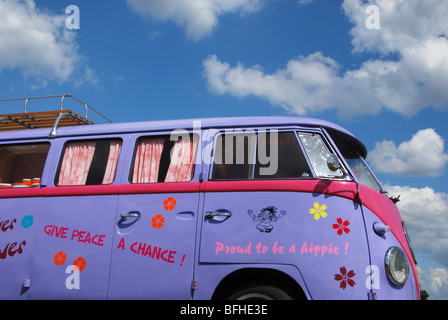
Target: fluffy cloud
[435,282]
[423,155]
[300,86]
[404,24]
[412,30]
[424,212]
[37,43]
[198,17]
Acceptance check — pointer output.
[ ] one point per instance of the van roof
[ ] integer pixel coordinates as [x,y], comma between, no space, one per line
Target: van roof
[187,124]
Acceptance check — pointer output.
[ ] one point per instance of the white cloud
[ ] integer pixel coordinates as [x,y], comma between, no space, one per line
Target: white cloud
[198,17]
[305,2]
[414,31]
[37,43]
[423,155]
[424,212]
[296,87]
[435,282]
[405,24]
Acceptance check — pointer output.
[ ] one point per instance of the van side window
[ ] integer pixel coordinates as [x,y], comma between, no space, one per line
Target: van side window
[285,154]
[265,155]
[234,156]
[318,154]
[22,161]
[160,159]
[92,162]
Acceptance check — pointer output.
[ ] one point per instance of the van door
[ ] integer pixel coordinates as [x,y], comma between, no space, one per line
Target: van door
[155,228]
[19,214]
[288,217]
[72,256]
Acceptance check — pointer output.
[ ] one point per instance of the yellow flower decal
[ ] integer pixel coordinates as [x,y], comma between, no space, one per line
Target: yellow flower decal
[318,211]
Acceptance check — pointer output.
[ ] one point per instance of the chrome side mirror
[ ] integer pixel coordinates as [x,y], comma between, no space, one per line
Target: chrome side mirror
[334,165]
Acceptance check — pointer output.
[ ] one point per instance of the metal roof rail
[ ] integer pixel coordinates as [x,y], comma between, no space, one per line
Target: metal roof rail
[53,119]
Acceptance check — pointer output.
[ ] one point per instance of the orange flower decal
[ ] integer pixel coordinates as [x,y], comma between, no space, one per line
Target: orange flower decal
[169,203]
[157,221]
[59,258]
[80,262]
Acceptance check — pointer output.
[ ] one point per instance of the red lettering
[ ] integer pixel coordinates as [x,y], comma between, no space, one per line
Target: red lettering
[85,237]
[11,251]
[81,236]
[58,232]
[120,245]
[75,233]
[141,248]
[156,252]
[47,229]
[153,252]
[5,225]
[132,247]
[101,240]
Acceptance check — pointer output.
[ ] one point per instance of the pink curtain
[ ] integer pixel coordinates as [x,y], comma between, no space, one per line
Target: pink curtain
[76,163]
[147,160]
[182,160]
[112,161]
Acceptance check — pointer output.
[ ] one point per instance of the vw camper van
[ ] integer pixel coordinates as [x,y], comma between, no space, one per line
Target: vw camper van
[223,208]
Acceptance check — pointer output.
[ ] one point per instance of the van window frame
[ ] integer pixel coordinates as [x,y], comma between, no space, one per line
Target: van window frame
[33,142]
[256,130]
[331,150]
[376,185]
[87,139]
[165,135]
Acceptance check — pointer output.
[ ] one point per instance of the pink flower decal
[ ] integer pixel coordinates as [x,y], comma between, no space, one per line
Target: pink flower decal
[345,278]
[341,226]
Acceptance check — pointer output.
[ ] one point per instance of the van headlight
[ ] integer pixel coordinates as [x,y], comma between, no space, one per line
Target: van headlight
[397,266]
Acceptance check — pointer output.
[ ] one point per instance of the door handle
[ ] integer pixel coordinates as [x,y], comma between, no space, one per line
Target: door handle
[211,215]
[129,215]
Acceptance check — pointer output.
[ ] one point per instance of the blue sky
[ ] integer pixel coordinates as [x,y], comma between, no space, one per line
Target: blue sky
[149,60]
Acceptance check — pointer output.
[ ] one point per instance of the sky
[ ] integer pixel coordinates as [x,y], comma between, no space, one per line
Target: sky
[378,68]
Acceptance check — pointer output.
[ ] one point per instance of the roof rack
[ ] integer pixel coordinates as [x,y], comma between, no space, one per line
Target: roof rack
[45,119]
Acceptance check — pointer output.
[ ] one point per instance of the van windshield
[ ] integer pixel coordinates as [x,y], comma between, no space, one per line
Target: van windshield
[357,165]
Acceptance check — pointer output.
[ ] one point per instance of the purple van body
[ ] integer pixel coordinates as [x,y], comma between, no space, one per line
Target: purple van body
[201,239]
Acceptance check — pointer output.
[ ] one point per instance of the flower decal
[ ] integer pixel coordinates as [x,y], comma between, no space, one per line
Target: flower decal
[157,221]
[27,221]
[318,211]
[345,278]
[169,203]
[80,262]
[341,226]
[59,258]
